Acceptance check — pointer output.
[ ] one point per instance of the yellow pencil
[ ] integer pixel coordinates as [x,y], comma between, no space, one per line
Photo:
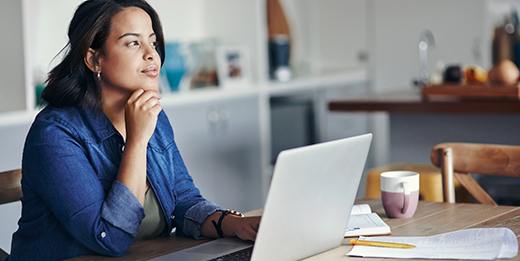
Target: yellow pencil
[379,244]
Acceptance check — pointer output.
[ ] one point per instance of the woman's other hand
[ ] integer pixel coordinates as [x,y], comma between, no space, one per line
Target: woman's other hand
[244,228]
[141,111]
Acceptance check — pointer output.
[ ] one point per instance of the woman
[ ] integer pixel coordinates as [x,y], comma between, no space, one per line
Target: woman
[100,165]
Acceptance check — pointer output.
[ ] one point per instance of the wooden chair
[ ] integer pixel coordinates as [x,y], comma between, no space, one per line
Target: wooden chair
[10,190]
[461,159]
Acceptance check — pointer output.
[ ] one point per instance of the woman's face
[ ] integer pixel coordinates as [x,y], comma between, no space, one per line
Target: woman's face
[131,61]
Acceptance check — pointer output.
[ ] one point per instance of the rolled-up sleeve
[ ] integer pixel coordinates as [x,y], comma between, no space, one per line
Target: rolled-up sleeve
[119,209]
[196,215]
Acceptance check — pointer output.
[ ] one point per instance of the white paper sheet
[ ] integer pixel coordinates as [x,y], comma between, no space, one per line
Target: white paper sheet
[475,243]
[360,209]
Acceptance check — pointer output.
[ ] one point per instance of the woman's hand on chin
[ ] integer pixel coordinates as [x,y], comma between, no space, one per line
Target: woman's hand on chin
[141,111]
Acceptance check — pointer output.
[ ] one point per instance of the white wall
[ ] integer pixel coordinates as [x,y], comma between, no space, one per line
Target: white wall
[327,35]
[454,24]
[182,20]
[497,9]
[221,23]
[12,63]
[52,19]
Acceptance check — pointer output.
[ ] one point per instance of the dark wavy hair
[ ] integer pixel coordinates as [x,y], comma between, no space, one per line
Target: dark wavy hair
[71,83]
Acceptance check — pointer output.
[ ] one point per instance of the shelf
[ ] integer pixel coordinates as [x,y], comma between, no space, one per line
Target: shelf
[318,81]
[271,88]
[206,95]
[17,117]
[212,94]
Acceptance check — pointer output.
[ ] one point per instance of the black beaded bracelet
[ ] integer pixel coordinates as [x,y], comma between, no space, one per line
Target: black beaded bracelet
[218,226]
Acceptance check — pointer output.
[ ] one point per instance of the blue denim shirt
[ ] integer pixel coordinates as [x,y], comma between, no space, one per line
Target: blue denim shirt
[73,205]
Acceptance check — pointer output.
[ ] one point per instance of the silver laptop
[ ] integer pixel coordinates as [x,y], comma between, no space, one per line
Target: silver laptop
[308,206]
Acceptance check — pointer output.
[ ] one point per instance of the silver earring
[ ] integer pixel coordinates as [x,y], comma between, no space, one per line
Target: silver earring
[98,76]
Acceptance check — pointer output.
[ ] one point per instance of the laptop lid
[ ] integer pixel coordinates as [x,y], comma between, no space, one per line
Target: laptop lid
[310,198]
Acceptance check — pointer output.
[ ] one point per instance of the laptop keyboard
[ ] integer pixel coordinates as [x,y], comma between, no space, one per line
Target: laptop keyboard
[241,255]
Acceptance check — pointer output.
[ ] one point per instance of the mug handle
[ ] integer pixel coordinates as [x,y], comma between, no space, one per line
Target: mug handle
[406,197]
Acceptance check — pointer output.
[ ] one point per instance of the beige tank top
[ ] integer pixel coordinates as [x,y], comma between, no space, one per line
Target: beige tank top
[153,223]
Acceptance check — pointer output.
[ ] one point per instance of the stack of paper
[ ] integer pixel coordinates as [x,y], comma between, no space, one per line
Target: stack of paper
[363,222]
[475,243]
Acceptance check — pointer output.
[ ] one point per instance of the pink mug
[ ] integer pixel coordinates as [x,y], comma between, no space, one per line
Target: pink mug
[400,193]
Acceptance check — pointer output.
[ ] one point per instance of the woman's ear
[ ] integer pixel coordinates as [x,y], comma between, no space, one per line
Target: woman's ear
[91,60]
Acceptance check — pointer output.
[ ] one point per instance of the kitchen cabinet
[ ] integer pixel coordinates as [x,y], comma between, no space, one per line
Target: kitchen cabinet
[333,125]
[327,35]
[340,125]
[303,118]
[220,143]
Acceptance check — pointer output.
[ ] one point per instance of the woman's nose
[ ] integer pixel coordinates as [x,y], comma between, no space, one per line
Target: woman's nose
[150,53]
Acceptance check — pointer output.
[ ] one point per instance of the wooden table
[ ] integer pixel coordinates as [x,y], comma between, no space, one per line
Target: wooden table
[411,102]
[429,219]
[433,218]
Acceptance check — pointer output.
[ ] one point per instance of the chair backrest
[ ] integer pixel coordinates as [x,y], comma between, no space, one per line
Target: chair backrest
[10,190]
[460,159]
[10,186]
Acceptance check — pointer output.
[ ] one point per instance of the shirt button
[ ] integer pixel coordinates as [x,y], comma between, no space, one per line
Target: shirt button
[123,148]
[103,234]
[172,217]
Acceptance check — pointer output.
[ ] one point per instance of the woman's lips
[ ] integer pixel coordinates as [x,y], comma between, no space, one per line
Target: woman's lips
[151,70]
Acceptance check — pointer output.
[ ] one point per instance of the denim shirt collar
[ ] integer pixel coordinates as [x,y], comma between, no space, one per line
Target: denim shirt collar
[99,122]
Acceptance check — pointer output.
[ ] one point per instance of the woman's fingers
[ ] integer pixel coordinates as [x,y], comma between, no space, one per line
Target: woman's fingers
[247,227]
[144,98]
[141,113]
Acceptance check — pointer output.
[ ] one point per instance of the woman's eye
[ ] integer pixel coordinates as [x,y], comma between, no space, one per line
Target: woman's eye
[153,44]
[134,43]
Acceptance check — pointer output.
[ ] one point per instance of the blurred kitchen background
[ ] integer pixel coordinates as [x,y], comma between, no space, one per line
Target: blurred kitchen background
[244,79]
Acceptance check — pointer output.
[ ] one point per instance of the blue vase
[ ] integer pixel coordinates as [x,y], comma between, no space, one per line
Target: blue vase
[173,66]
